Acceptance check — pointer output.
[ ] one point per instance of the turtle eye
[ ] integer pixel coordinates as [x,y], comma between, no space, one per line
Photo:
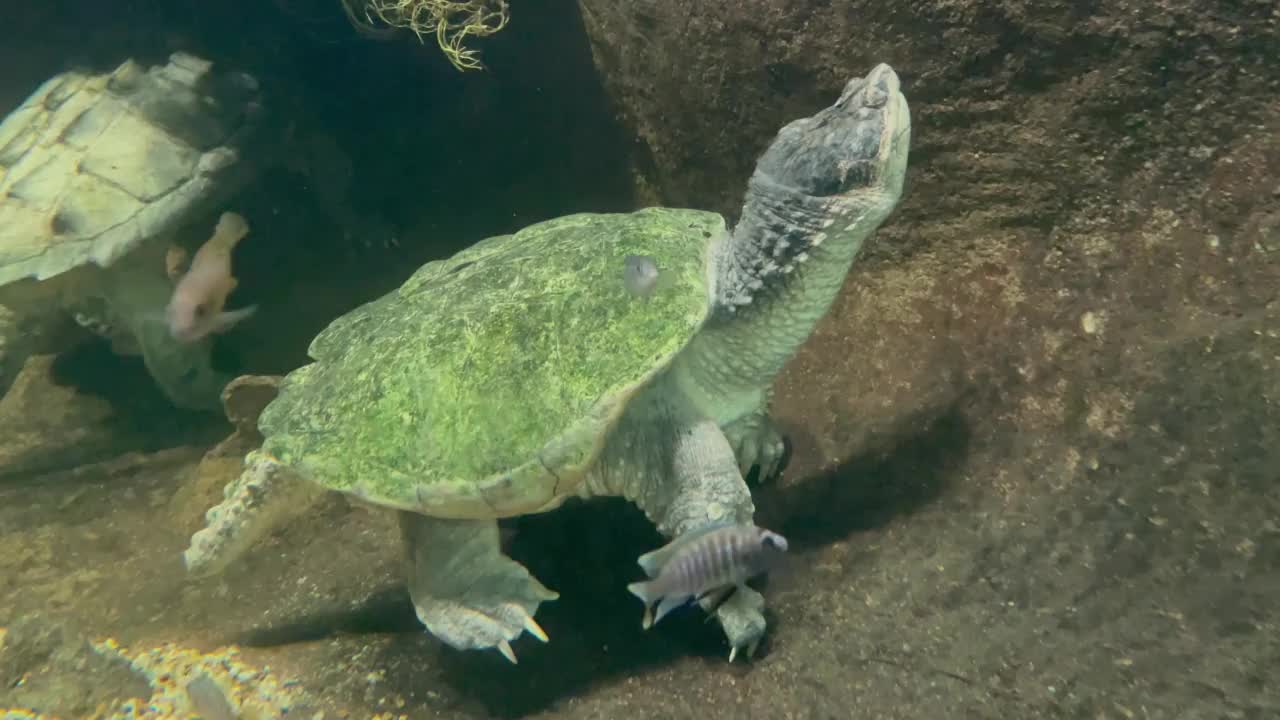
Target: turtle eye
[201,309]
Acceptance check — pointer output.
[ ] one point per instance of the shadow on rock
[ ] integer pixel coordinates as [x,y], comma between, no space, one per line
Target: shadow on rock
[387,611]
[868,492]
[92,370]
[587,552]
[67,412]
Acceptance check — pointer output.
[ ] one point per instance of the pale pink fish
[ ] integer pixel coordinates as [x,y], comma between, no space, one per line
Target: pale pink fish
[709,562]
[195,309]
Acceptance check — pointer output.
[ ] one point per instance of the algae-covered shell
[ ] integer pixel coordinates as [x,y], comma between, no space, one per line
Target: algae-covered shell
[485,385]
[92,166]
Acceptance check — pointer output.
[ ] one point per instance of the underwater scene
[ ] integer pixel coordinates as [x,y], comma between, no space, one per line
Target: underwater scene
[621,359]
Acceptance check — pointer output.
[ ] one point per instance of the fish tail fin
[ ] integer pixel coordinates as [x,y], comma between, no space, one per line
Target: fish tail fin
[645,591]
[669,603]
[227,320]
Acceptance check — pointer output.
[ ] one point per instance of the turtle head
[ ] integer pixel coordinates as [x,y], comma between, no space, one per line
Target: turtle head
[820,190]
[823,185]
[853,152]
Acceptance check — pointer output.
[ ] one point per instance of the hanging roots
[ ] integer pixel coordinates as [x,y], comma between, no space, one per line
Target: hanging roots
[451,21]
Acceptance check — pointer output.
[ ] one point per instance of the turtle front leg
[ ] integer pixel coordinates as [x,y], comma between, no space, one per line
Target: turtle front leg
[137,297]
[465,591]
[706,487]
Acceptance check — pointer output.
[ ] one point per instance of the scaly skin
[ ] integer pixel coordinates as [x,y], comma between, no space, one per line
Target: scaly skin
[679,468]
[465,591]
[823,186]
[756,441]
[820,190]
[266,495]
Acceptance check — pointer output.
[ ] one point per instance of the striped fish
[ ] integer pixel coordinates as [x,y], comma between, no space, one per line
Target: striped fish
[709,562]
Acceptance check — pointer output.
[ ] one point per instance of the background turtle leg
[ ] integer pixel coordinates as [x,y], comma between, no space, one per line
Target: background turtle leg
[465,591]
[706,486]
[137,297]
[756,440]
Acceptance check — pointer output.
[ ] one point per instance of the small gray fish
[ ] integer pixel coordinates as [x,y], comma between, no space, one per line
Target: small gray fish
[709,562]
[640,275]
[209,700]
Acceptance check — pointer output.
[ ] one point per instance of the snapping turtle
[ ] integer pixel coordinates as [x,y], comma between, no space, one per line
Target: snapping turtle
[96,172]
[522,371]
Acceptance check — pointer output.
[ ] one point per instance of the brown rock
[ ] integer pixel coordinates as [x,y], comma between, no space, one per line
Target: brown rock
[1035,438]
[1110,170]
[48,426]
[1022,111]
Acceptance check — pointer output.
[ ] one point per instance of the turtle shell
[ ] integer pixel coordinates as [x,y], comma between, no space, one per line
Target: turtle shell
[92,166]
[485,385]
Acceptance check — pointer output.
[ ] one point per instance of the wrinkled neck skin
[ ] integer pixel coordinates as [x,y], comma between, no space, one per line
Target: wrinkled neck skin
[774,277]
[777,275]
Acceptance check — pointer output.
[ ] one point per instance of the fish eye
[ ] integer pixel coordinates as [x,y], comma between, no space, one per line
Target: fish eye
[201,309]
[774,541]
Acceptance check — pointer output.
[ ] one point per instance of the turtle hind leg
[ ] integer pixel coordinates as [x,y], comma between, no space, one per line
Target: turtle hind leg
[464,590]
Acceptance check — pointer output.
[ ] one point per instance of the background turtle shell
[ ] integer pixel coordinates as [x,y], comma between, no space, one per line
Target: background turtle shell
[483,386]
[93,166]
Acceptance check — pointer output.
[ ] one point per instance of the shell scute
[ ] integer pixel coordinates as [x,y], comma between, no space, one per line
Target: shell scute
[484,385]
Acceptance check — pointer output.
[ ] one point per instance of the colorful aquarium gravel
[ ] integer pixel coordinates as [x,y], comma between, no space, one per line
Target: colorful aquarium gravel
[23,714]
[248,693]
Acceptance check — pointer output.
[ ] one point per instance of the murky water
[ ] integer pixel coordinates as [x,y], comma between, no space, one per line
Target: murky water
[1031,435]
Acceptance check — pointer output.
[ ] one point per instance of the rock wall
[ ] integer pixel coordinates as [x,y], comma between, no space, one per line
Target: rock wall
[1024,110]
[1035,440]
[1084,176]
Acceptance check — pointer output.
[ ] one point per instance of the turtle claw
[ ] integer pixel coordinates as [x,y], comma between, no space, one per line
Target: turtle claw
[741,617]
[751,650]
[504,647]
[757,441]
[532,627]
[475,622]
[465,591]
